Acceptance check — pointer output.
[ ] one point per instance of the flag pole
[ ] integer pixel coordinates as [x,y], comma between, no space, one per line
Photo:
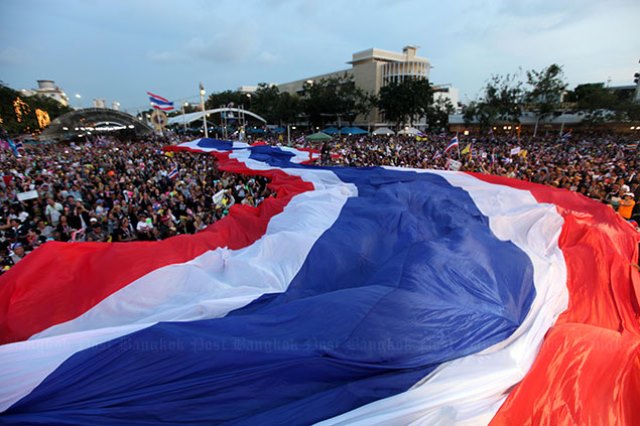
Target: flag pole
[458,146]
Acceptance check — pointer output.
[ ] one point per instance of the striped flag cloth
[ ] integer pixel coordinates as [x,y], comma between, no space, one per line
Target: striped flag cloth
[454,143]
[355,296]
[174,173]
[158,102]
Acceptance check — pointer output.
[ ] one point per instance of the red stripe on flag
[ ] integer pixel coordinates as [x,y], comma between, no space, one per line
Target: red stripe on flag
[158,97]
[60,281]
[168,108]
[588,368]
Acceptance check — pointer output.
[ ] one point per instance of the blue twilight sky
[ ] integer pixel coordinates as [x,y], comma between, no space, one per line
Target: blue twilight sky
[119,49]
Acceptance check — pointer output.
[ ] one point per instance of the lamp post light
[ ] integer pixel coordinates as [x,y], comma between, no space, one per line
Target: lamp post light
[184,119]
[79,98]
[204,114]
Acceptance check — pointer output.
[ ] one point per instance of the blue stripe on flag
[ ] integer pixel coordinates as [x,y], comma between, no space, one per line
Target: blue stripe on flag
[160,101]
[422,281]
[220,145]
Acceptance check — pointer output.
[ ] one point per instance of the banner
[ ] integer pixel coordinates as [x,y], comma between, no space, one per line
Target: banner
[453,165]
[28,195]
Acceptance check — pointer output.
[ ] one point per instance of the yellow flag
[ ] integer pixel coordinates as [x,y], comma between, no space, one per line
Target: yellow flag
[466,149]
[523,153]
[169,154]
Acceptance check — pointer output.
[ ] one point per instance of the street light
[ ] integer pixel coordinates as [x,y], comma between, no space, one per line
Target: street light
[184,119]
[204,114]
[79,98]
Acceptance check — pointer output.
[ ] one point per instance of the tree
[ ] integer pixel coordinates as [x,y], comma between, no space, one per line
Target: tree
[329,99]
[595,101]
[351,100]
[216,100]
[600,104]
[438,113]
[18,112]
[288,108]
[501,101]
[406,101]
[546,91]
[265,100]
[470,112]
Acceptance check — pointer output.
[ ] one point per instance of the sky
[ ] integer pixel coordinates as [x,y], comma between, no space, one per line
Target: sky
[118,50]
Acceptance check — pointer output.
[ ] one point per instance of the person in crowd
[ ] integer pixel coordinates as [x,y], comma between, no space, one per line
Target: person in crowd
[626,205]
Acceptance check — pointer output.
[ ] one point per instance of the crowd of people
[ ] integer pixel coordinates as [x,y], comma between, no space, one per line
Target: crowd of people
[110,191]
[598,165]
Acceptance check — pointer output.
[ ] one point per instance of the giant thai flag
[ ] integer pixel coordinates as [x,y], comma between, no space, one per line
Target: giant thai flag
[355,296]
[158,102]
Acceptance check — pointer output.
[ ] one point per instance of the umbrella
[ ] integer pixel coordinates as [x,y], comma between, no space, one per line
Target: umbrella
[384,131]
[357,131]
[412,131]
[318,137]
[331,131]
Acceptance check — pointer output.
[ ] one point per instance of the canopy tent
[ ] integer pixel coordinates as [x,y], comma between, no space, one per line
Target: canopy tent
[410,131]
[318,137]
[331,131]
[356,131]
[383,131]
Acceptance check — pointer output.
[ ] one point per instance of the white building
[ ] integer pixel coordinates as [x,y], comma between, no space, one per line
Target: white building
[372,69]
[447,92]
[49,89]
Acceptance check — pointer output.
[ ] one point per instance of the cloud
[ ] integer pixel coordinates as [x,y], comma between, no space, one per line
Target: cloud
[225,48]
[231,47]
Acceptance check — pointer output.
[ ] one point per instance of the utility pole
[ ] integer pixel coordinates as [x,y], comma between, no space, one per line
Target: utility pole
[636,80]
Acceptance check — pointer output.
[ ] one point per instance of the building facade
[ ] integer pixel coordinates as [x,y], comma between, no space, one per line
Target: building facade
[372,69]
[49,89]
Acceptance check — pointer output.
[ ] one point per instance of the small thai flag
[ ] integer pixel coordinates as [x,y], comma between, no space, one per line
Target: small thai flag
[454,142]
[158,102]
[174,173]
